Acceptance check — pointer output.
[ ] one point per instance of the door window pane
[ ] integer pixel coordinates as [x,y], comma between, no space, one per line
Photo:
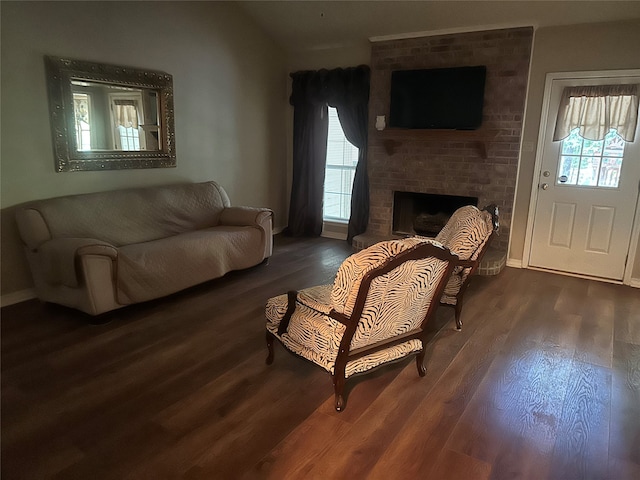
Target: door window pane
[610,172]
[592,147]
[589,167]
[591,163]
[568,170]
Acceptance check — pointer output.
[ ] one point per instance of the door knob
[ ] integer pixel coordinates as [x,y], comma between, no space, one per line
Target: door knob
[545,186]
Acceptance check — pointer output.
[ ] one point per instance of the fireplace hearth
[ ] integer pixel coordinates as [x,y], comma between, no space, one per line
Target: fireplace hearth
[424,213]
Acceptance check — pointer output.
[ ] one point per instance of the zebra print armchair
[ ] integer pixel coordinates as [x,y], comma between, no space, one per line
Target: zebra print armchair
[467,234]
[374,313]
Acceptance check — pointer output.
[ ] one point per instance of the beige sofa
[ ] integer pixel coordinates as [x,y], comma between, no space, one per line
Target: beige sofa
[102,251]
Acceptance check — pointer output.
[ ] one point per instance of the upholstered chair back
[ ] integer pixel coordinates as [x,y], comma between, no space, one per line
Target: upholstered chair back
[466,233]
[396,302]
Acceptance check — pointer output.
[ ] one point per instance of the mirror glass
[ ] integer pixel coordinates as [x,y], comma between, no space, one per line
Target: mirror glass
[107,117]
[112,117]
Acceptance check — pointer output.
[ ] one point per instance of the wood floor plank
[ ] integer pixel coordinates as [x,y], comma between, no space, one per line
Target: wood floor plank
[625,404]
[627,318]
[294,456]
[582,444]
[441,410]
[512,419]
[531,424]
[595,342]
[451,464]
[620,469]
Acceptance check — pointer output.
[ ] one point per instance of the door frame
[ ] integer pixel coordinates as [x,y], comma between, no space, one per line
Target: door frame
[533,200]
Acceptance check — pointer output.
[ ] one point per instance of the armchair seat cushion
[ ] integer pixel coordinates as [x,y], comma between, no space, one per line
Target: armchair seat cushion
[311,332]
[318,298]
[314,336]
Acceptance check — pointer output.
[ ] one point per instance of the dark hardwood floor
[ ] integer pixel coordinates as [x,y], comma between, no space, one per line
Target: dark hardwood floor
[543,382]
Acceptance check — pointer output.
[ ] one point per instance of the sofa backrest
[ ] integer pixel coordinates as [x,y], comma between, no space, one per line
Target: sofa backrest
[123,217]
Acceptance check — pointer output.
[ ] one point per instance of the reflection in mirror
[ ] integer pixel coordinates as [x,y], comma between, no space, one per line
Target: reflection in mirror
[111,117]
[108,117]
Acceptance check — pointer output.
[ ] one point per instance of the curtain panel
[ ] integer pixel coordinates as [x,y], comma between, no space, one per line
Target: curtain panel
[597,109]
[347,90]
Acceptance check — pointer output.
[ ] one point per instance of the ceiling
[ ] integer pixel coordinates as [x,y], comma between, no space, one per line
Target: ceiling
[319,25]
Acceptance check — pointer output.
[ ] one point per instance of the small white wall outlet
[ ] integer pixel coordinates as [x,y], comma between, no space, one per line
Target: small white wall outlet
[381,122]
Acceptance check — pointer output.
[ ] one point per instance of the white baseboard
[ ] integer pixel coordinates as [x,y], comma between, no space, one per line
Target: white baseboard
[634,282]
[514,263]
[334,229]
[17,297]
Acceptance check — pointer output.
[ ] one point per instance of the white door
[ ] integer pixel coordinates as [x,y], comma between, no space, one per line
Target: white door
[586,198]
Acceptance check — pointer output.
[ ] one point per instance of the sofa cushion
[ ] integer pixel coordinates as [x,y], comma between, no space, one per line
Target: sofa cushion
[153,269]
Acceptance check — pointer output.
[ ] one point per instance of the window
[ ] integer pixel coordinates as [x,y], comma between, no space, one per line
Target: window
[342,158]
[82,113]
[126,113]
[591,163]
[129,138]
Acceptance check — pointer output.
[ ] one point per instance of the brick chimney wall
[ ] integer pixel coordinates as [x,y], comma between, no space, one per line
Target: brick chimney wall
[451,162]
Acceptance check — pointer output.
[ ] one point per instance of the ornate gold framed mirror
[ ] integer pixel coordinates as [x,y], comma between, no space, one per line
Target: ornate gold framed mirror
[108,117]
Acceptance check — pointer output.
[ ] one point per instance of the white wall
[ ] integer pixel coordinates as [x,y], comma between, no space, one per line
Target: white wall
[229,93]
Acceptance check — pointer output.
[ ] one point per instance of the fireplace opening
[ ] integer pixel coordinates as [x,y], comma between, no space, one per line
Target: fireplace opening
[425,213]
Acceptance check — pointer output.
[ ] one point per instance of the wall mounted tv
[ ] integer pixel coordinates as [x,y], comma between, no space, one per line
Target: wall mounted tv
[445,98]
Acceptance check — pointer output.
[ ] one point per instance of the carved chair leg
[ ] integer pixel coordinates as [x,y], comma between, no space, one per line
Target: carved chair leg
[458,308]
[270,339]
[338,386]
[422,371]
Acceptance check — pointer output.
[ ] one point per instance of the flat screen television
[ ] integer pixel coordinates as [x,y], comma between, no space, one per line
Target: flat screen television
[444,98]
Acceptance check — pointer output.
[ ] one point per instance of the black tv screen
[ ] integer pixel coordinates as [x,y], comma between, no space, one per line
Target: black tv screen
[447,98]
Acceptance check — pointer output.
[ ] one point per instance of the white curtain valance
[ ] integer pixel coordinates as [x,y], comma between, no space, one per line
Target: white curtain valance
[126,113]
[597,109]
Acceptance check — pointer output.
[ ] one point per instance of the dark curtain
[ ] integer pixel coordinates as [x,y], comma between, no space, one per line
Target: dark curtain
[310,127]
[348,91]
[349,94]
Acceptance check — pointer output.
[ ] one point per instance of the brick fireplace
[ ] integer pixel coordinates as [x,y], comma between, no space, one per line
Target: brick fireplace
[424,213]
[482,163]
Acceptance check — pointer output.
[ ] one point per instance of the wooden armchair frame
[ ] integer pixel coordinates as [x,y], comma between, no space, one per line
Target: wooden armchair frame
[345,354]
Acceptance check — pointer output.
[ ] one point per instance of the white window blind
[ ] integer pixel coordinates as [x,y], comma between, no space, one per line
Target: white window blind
[342,159]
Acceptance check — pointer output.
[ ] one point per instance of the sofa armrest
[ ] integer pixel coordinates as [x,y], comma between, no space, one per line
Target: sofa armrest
[261,218]
[101,248]
[57,258]
[245,216]
[32,227]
